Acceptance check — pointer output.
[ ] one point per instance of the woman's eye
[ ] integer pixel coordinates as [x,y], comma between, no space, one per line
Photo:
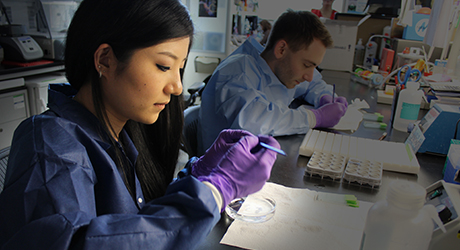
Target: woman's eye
[163,68]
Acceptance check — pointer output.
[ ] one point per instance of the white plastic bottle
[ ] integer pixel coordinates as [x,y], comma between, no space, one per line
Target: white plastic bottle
[369,56]
[386,32]
[359,53]
[401,222]
[408,106]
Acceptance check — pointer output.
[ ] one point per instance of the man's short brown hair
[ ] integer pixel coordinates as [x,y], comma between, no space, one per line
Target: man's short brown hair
[298,29]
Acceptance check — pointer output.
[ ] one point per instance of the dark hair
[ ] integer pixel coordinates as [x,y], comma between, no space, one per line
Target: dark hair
[266,25]
[298,28]
[128,25]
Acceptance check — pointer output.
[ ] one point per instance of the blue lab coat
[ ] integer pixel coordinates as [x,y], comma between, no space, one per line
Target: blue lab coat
[244,93]
[63,190]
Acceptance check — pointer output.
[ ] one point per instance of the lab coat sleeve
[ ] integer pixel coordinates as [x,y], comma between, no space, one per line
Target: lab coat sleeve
[250,109]
[178,220]
[50,202]
[315,89]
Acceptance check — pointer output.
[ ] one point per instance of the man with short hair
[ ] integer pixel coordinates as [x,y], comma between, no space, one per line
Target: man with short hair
[253,87]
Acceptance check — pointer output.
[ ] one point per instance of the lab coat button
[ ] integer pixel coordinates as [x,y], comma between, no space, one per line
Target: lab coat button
[140,200]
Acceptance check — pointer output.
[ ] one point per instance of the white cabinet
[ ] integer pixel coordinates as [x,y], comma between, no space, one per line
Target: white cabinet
[14,109]
[37,87]
[14,97]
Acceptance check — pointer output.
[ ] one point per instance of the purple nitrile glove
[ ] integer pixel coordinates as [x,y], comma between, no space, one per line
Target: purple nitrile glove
[341,99]
[226,139]
[329,115]
[325,99]
[244,169]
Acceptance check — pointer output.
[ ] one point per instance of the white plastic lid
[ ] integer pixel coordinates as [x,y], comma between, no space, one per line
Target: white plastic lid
[406,194]
[412,85]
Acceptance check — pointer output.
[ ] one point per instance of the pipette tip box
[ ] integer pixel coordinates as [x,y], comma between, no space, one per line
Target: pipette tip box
[335,166]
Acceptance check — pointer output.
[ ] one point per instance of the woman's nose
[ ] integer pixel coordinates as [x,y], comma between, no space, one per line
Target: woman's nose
[174,87]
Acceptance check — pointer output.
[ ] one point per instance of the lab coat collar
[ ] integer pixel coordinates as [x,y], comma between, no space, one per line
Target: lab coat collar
[61,103]
[252,47]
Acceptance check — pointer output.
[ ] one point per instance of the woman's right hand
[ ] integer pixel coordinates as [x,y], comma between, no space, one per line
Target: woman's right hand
[226,139]
[244,169]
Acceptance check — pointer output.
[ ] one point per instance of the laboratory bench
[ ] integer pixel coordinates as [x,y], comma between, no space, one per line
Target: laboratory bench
[289,170]
[8,72]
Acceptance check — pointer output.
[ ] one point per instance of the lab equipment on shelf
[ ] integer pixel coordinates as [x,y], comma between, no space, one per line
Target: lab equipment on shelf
[439,127]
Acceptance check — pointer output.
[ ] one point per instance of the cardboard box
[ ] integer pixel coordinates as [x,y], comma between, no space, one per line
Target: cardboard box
[372,26]
[418,29]
[340,56]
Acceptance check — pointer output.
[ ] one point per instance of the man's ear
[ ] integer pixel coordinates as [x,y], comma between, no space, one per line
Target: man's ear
[280,48]
[104,59]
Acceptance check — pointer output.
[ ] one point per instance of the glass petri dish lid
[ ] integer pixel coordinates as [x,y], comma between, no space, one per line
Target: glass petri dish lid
[251,209]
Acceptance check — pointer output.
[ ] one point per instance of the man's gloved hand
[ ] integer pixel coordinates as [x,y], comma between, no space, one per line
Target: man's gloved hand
[325,99]
[329,114]
[244,169]
[341,99]
[226,139]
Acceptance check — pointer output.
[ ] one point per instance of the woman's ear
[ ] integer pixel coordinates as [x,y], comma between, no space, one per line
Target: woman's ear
[103,59]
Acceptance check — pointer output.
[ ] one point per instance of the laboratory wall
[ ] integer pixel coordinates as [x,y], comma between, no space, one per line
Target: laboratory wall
[213,32]
[271,9]
[210,36]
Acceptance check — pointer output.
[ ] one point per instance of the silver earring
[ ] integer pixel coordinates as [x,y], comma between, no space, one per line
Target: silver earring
[100,71]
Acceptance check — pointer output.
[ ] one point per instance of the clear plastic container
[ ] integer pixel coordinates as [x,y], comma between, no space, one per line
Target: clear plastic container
[408,106]
[359,53]
[401,221]
[251,209]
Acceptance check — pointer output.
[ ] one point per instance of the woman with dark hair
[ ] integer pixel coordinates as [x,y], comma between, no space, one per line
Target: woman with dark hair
[266,28]
[326,10]
[96,170]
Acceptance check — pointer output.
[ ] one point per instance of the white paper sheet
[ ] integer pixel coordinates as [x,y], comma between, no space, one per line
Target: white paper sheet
[301,222]
[352,117]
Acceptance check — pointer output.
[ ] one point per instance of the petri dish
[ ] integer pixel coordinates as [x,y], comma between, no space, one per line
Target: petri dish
[251,209]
